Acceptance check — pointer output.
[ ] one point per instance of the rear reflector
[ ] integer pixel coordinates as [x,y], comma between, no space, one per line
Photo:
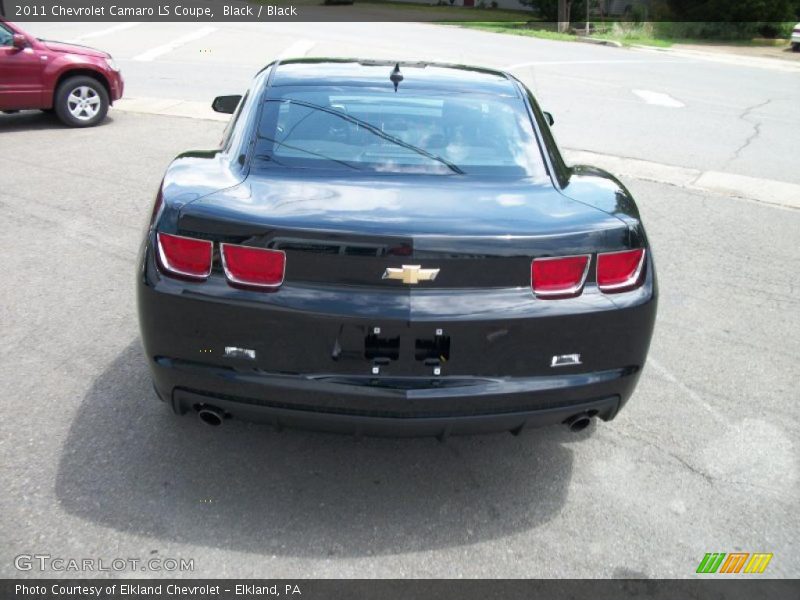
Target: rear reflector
[620,271]
[559,277]
[254,267]
[185,257]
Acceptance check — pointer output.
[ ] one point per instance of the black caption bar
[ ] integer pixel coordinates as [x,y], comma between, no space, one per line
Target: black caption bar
[154,10]
[522,11]
[387,589]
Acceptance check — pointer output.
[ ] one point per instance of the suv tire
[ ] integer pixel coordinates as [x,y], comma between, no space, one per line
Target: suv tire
[81,101]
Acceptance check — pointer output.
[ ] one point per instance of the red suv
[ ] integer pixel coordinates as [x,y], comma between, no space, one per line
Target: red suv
[75,82]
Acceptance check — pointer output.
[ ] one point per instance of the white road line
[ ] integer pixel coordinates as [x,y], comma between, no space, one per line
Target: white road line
[106,31]
[298,49]
[154,53]
[697,398]
[658,99]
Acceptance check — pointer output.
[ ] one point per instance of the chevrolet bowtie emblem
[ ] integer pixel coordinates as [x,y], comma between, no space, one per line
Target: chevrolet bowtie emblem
[412,274]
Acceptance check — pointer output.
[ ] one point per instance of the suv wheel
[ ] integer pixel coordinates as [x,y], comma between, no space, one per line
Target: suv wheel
[81,102]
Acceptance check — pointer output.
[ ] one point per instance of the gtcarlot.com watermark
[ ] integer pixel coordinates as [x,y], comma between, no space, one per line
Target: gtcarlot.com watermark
[47,562]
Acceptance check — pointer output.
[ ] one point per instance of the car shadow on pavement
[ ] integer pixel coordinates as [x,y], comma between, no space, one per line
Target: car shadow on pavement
[130,464]
[32,120]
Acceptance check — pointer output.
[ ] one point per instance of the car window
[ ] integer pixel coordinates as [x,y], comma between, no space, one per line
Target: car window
[6,37]
[227,135]
[353,129]
[550,143]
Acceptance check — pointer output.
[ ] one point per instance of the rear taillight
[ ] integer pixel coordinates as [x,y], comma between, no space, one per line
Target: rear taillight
[253,267]
[620,271]
[559,277]
[185,257]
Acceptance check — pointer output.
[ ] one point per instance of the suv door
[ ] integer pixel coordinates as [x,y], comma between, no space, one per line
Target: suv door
[20,74]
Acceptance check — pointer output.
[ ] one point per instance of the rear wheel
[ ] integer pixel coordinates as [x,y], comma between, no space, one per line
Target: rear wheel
[796,46]
[81,102]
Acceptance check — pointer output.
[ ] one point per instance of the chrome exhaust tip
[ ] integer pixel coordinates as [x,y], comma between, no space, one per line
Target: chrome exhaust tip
[578,422]
[210,415]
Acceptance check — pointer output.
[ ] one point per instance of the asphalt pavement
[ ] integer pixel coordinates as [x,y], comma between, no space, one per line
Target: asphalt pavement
[703,459]
[727,113]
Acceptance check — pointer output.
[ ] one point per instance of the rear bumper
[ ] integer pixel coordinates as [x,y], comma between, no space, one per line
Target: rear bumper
[398,406]
[311,370]
[355,424]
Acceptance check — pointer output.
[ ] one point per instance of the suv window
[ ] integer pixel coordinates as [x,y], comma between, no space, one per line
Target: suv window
[6,37]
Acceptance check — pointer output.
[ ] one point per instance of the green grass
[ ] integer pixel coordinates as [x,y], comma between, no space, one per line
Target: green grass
[545,31]
[635,35]
[660,35]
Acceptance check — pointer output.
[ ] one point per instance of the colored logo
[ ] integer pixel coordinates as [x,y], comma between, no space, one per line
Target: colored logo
[735,562]
[411,274]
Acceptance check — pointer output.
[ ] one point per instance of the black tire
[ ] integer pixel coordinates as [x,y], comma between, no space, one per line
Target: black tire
[796,46]
[87,89]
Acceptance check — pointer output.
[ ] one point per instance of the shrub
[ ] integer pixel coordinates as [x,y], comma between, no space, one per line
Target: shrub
[733,11]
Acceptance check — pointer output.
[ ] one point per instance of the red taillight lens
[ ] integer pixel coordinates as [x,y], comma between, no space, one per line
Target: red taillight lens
[620,271]
[185,257]
[559,277]
[257,267]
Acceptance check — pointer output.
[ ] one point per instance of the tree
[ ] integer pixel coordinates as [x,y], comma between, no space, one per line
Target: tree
[563,14]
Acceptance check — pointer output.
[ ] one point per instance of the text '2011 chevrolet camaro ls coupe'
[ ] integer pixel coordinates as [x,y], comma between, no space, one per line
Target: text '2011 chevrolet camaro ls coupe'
[394,249]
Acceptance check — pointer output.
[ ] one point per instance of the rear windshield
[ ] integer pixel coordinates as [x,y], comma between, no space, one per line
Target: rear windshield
[352,129]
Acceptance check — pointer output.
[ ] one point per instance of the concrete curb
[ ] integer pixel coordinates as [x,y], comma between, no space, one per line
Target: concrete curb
[599,42]
[767,191]
[170,108]
[738,60]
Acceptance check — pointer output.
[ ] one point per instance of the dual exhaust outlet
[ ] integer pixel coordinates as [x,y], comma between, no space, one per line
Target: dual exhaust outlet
[213,417]
[579,422]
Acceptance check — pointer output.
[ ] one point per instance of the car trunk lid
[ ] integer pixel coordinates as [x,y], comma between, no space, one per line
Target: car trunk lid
[348,231]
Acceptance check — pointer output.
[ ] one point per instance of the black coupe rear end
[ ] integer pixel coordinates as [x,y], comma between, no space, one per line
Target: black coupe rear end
[393,249]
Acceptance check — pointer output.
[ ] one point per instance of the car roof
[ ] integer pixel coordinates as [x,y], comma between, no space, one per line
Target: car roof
[372,73]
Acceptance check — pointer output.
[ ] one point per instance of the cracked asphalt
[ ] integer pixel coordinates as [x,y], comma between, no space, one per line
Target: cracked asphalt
[703,459]
[746,116]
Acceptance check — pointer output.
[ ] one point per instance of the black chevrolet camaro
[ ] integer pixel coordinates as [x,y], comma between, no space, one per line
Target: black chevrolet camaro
[395,249]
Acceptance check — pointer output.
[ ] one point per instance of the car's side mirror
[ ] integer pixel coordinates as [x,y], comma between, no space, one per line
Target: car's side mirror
[550,120]
[226,104]
[19,41]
